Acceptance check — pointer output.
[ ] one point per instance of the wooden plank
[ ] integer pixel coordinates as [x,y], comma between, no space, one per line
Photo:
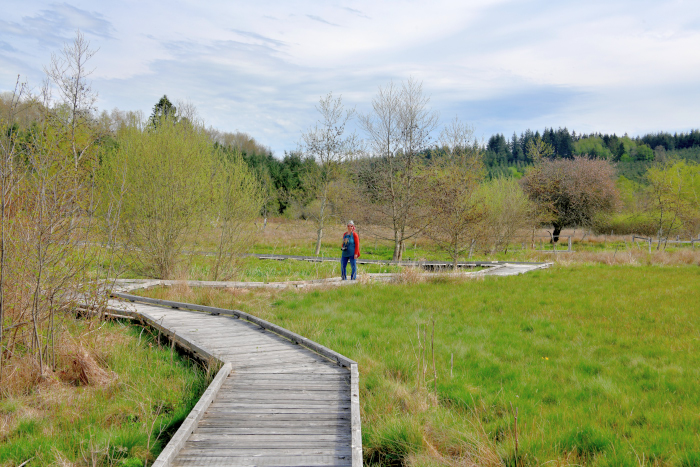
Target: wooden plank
[273,431]
[254,437]
[231,422]
[300,403]
[308,416]
[278,352]
[268,461]
[224,450]
[291,386]
[249,443]
[281,412]
[288,371]
[274,378]
[290,383]
[247,360]
[292,379]
[302,396]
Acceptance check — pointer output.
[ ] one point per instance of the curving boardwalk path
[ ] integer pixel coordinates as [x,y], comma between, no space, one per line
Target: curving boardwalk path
[281,405]
[279,399]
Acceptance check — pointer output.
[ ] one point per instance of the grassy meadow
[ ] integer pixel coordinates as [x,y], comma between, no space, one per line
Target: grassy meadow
[116,398]
[296,237]
[600,362]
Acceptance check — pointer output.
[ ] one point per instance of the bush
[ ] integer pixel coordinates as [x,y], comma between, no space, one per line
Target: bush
[625,224]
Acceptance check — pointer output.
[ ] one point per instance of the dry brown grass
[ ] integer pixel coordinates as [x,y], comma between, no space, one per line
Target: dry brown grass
[77,366]
[410,276]
[623,256]
[282,232]
[77,363]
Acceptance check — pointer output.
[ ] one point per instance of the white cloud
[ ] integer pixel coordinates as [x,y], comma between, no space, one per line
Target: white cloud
[260,67]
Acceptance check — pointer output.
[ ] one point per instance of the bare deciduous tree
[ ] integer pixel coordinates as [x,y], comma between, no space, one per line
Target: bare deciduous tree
[10,178]
[47,200]
[68,73]
[394,178]
[328,144]
[453,206]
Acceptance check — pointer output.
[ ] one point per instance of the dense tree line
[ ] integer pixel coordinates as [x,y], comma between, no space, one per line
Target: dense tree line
[513,151]
[398,174]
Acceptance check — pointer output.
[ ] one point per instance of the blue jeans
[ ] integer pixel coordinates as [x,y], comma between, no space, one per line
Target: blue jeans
[344,267]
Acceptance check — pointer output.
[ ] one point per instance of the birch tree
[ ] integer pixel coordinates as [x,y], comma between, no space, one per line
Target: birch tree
[394,180]
[327,143]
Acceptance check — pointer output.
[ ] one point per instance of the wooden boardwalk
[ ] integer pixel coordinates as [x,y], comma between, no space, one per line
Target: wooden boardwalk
[282,405]
[280,399]
[493,268]
[426,264]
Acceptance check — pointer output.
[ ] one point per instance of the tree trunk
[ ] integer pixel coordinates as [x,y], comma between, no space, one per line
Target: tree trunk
[319,232]
[555,234]
[319,236]
[398,250]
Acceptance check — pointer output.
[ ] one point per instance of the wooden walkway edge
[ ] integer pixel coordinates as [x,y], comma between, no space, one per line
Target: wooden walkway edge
[279,399]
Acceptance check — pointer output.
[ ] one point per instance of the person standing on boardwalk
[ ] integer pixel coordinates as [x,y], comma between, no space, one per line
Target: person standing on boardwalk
[351,251]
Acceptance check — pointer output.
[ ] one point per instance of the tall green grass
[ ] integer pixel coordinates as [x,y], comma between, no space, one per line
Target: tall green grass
[601,363]
[124,423]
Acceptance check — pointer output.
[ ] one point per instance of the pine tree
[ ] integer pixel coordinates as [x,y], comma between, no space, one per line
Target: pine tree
[163,109]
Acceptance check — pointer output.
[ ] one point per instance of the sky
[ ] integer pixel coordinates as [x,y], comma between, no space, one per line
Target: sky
[260,67]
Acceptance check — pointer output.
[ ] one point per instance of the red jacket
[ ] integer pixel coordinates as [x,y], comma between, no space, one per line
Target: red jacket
[357,243]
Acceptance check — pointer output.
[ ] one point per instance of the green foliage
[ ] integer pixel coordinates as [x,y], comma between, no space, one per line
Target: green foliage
[626,223]
[629,191]
[237,198]
[644,153]
[674,198]
[508,210]
[163,176]
[593,147]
